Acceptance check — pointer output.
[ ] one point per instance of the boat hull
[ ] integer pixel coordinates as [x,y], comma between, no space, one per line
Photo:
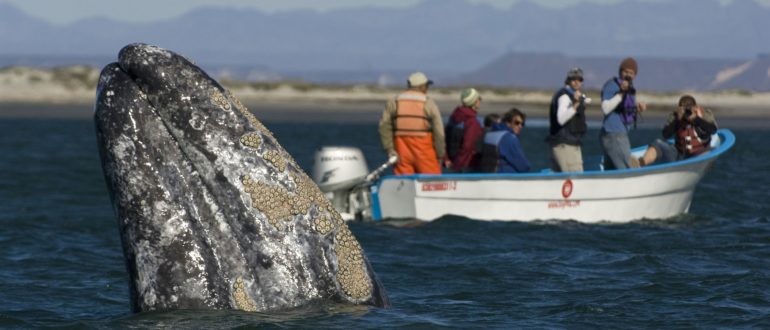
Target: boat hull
[654,192]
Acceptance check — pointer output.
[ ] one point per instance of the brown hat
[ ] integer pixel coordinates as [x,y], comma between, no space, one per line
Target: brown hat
[629,63]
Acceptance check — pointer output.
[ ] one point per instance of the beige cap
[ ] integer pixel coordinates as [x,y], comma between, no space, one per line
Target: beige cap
[469,96]
[418,79]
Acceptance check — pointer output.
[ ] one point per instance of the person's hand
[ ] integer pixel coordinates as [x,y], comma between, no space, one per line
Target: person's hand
[578,98]
[697,112]
[447,163]
[694,111]
[679,112]
[624,85]
[392,154]
[641,106]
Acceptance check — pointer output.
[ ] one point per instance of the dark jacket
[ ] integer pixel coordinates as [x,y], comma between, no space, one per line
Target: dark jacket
[463,133]
[702,127]
[573,130]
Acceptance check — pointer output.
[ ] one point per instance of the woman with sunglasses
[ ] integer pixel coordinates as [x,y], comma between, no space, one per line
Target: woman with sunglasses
[502,152]
[568,124]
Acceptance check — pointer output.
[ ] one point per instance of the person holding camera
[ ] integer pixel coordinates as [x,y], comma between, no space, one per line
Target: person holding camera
[568,124]
[621,110]
[691,126]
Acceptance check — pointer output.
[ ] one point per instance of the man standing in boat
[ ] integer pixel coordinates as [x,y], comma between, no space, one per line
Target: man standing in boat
[502,152]
[463,133]
[621,111]
[568,124]
[691,126]
[412,129]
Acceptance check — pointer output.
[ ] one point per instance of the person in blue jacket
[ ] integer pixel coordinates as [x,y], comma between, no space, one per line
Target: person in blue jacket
[502,152]
[621,111]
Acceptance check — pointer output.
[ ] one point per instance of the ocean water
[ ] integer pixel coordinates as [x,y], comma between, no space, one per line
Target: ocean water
[61,263]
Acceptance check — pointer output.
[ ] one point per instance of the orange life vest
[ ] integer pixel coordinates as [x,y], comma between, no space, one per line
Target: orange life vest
[410,118]
[688,143]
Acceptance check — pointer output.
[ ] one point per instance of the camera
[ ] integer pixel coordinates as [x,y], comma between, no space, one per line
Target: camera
[631,89]
[687,112]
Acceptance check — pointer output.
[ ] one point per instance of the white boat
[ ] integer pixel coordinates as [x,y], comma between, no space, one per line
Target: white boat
[595,195]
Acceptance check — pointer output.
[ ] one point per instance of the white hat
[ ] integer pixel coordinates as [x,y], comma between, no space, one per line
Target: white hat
[418,79]
[469,96]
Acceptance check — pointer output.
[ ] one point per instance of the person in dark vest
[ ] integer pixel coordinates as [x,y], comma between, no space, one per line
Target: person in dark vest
[691,126]
[490,120]
[502,152]
[621,111]
[463,133]
[568,124]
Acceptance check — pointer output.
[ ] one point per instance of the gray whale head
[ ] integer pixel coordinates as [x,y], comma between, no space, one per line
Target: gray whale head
[213,213]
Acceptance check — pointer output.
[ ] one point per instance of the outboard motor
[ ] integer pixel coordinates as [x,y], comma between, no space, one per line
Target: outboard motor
[339,168]
[341,173]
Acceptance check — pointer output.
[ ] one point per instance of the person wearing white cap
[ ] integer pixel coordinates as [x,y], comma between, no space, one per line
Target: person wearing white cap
[411,128]
[568,124]
[463,133]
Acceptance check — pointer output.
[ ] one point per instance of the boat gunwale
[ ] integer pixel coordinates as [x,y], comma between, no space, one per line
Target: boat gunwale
[727,140]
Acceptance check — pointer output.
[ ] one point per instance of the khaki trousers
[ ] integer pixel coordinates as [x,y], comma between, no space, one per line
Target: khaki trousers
[566,158]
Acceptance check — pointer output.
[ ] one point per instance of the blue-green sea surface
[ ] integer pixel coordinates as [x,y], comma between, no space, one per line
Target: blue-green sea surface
[61,263]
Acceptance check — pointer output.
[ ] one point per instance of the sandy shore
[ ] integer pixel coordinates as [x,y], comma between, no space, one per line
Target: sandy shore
[364,113]
[68,92]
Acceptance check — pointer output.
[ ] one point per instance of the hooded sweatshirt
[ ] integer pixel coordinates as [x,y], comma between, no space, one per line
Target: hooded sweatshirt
[468,155]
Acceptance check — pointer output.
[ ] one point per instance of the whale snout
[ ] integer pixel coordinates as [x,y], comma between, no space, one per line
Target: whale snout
[213,213]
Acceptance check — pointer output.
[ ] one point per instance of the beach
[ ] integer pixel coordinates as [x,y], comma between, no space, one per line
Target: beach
[356,111]
[69,92]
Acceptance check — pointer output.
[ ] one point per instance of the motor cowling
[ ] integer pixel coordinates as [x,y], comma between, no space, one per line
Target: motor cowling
[339,168]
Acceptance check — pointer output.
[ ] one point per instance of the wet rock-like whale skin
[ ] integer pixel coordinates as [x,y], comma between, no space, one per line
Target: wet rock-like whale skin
[212,211]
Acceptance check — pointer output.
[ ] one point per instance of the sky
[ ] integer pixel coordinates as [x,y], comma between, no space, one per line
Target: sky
[68,11]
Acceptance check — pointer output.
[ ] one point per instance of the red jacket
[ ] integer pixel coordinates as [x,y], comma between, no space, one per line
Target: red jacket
[468,155]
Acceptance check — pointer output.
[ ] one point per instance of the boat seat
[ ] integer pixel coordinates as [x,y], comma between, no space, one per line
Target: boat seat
[715,141]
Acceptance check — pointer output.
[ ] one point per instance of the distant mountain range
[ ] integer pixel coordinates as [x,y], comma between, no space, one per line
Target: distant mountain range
[655,74]
[682,44]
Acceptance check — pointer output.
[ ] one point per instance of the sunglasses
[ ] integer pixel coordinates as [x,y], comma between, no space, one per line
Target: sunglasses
[518,123]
